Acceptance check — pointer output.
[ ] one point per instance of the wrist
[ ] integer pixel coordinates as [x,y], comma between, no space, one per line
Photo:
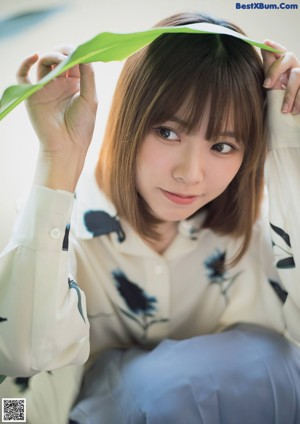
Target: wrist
[58,171]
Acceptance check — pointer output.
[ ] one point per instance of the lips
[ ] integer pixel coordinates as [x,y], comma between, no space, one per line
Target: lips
[180,199]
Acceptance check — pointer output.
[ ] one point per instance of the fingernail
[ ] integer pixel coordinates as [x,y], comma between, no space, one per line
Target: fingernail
[285,107]
[294,110]
[267,82]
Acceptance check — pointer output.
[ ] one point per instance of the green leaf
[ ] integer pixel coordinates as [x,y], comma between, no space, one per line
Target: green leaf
[2,378]
[106,47]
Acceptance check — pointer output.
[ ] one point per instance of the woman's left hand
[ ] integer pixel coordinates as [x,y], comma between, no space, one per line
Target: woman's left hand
[282,72]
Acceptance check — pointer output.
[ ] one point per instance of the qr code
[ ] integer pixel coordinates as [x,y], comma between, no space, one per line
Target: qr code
[13,410]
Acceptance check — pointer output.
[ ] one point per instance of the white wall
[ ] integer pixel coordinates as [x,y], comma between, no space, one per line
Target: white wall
[76,23]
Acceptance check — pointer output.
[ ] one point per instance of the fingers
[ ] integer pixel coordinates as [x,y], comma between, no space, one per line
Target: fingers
[88,84]
[50,60]
[84,71]
[282,71]
[291,101]
[281,66]
[275,45]
[22,74]
[284,74]
[270,57]
[46,62]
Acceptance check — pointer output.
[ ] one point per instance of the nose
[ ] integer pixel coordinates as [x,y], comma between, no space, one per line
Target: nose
[190,168]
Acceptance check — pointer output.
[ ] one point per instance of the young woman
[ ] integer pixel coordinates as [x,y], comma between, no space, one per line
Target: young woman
[170,238]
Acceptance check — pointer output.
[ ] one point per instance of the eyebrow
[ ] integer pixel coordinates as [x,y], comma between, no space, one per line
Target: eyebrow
[227,134]
[184,124]
[179,121]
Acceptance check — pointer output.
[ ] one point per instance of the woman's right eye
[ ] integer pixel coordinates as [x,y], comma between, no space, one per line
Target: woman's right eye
[167,134]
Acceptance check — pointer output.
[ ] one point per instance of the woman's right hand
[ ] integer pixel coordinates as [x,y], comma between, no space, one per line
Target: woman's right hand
[63,115]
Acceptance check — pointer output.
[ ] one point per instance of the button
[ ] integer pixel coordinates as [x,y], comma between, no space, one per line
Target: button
[55,233]
[159,269]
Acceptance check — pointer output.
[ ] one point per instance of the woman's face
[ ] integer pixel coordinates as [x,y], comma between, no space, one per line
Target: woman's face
[178,173]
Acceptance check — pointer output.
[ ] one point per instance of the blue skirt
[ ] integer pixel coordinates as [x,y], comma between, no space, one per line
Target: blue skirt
[245,375]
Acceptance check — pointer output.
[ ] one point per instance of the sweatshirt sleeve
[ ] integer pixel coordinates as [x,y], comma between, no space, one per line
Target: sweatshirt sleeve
[43,321]
[283,177]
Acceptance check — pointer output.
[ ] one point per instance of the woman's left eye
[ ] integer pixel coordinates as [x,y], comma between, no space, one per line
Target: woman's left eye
[223,148]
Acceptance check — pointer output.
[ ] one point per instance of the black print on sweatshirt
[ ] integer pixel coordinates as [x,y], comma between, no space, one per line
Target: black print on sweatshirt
[216,272]
[73,285]
[141,306]
[65,245]
[23,382]
[281,293]
[286,247]
[3,319]
[100,223]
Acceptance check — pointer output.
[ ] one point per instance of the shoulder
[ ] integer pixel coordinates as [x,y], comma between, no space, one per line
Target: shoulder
[94,215]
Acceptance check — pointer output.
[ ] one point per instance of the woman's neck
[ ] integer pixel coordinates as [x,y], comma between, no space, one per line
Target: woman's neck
[167,231]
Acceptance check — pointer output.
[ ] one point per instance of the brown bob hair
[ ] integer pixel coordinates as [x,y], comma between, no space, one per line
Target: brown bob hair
[217,71]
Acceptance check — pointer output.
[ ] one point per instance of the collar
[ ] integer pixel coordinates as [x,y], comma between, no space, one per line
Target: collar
[94,215]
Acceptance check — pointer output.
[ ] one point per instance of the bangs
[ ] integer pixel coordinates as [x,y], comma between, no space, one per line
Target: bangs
[202,75]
